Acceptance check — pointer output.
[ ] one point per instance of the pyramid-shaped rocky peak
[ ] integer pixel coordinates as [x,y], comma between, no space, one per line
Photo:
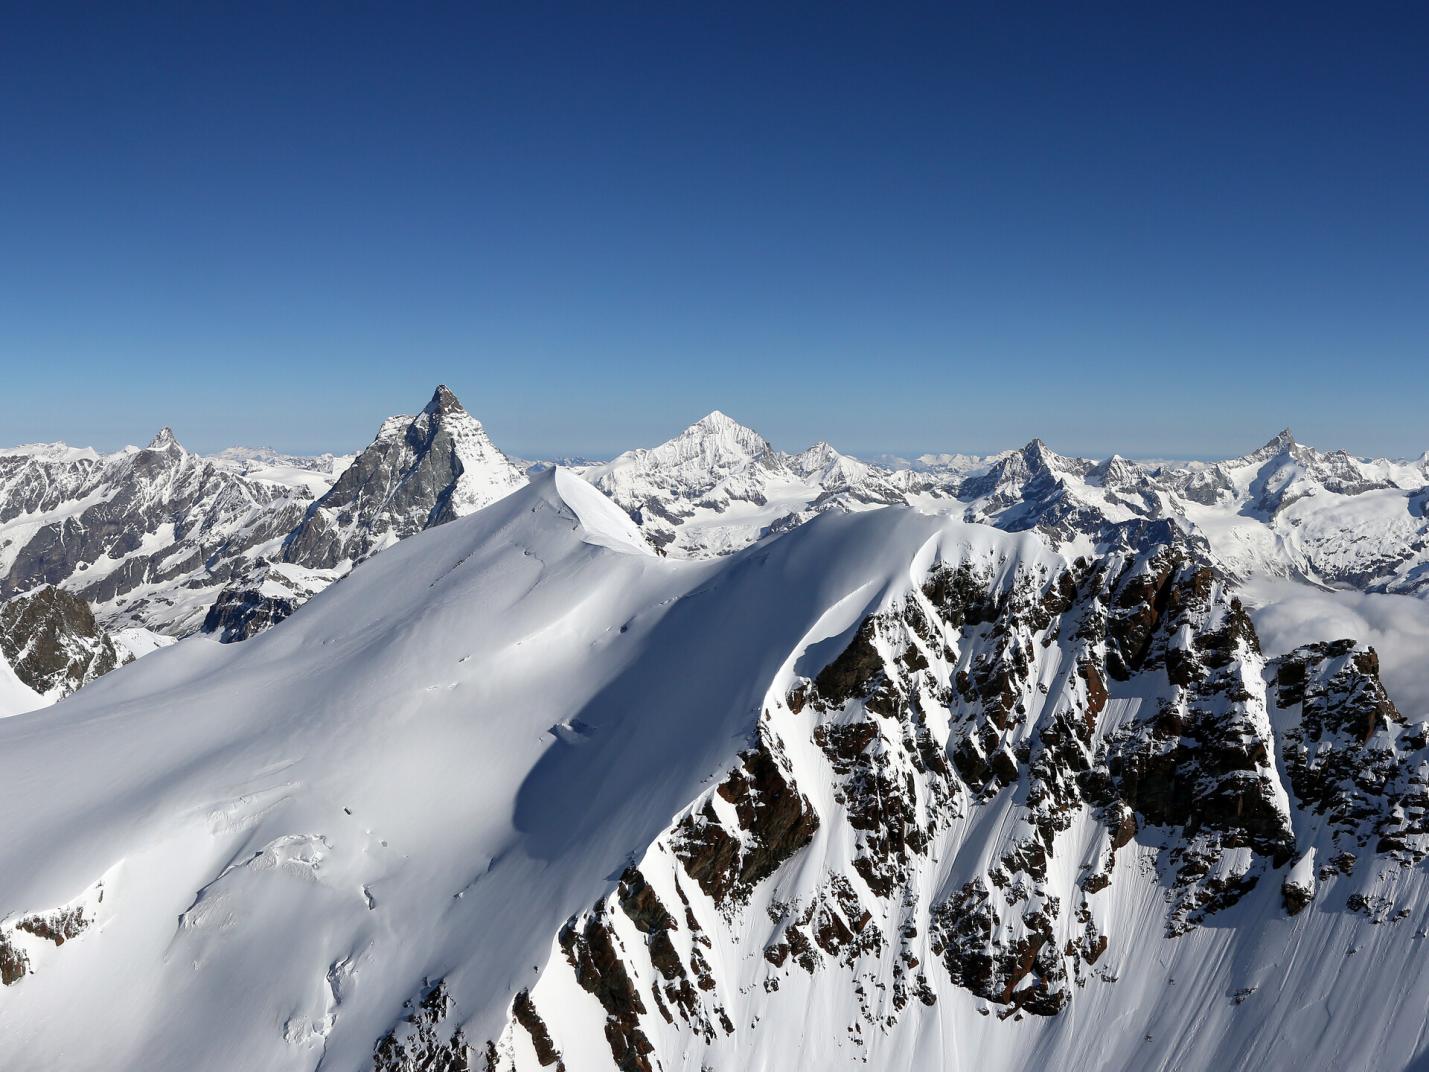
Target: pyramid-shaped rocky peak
[1114,471]
[419,472]
[1038,457]
[443,402]
[1283,442]
[164,439]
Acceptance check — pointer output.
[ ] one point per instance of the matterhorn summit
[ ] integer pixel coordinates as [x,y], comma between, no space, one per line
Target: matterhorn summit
[164,439]
[420,471]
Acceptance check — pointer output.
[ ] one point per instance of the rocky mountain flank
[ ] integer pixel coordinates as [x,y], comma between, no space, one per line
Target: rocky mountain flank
[146,536]
[161,539]
[983,792]
[52,643]
[419,472]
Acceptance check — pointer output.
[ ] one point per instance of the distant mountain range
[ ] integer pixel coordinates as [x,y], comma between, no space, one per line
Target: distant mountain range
[162,543]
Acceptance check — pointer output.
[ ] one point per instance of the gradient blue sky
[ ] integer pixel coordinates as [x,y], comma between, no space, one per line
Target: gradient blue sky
[945,227]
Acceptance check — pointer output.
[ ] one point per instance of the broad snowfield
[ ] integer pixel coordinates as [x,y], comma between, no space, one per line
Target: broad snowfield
[892,789]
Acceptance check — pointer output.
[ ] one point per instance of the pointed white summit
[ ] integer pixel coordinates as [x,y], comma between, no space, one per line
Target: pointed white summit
[687,466]
[164,439]
[829,468]
[1282,443]
[714,442]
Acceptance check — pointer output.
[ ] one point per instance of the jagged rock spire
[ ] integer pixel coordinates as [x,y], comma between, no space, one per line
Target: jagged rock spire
[443,401]
[1283,441]
[164,439]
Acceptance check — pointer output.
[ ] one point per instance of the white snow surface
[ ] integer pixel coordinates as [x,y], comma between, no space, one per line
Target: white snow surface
[15,696]
[433,764]
[314,474]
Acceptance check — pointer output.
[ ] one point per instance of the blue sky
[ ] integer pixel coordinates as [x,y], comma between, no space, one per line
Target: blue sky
[943,227]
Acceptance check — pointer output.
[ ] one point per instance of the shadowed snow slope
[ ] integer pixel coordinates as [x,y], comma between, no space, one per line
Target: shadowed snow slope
[432,694]
[253,855]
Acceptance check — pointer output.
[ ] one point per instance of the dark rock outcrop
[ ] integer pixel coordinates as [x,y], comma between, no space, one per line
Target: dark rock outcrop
[420,471]
[52,642]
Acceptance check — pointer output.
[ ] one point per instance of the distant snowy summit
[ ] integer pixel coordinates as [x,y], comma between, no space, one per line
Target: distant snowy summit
[1284,509]
[162,543]
[719,486]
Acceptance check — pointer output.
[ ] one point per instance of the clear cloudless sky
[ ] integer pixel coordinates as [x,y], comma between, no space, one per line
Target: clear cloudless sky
[1158,229]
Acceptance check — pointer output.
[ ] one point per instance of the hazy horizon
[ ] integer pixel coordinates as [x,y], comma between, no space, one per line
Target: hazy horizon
[201,445]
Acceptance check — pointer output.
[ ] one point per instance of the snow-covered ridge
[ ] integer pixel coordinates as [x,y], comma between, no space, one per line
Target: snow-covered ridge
[892,790]
[162,540]
[1282,510]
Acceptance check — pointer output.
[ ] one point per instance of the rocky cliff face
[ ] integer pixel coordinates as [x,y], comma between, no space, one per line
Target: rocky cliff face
[263,595]
[52,643]
[419,472]
[1000,765]
[166,540]
[148,537]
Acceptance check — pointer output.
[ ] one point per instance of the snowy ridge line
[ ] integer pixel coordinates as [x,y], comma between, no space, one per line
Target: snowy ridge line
[892,789]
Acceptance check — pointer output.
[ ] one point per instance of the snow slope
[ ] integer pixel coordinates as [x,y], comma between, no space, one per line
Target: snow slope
[163,542]
[15,696]
[517,779]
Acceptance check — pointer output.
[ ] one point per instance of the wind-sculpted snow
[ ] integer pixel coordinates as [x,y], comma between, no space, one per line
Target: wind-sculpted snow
[890,790]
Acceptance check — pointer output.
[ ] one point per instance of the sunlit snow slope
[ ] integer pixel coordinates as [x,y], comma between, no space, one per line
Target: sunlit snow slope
[889,791]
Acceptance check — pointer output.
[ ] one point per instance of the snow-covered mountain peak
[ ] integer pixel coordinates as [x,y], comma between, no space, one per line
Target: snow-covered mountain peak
[443,401]
[1282,443]
[418,472]
[1038,457]
[717,421]
[1115,472]
[829,468]
[689,464]
[817,457]
[164,439]
[716,437]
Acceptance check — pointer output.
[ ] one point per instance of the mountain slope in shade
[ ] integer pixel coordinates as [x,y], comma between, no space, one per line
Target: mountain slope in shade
[420,471]
[889,791]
